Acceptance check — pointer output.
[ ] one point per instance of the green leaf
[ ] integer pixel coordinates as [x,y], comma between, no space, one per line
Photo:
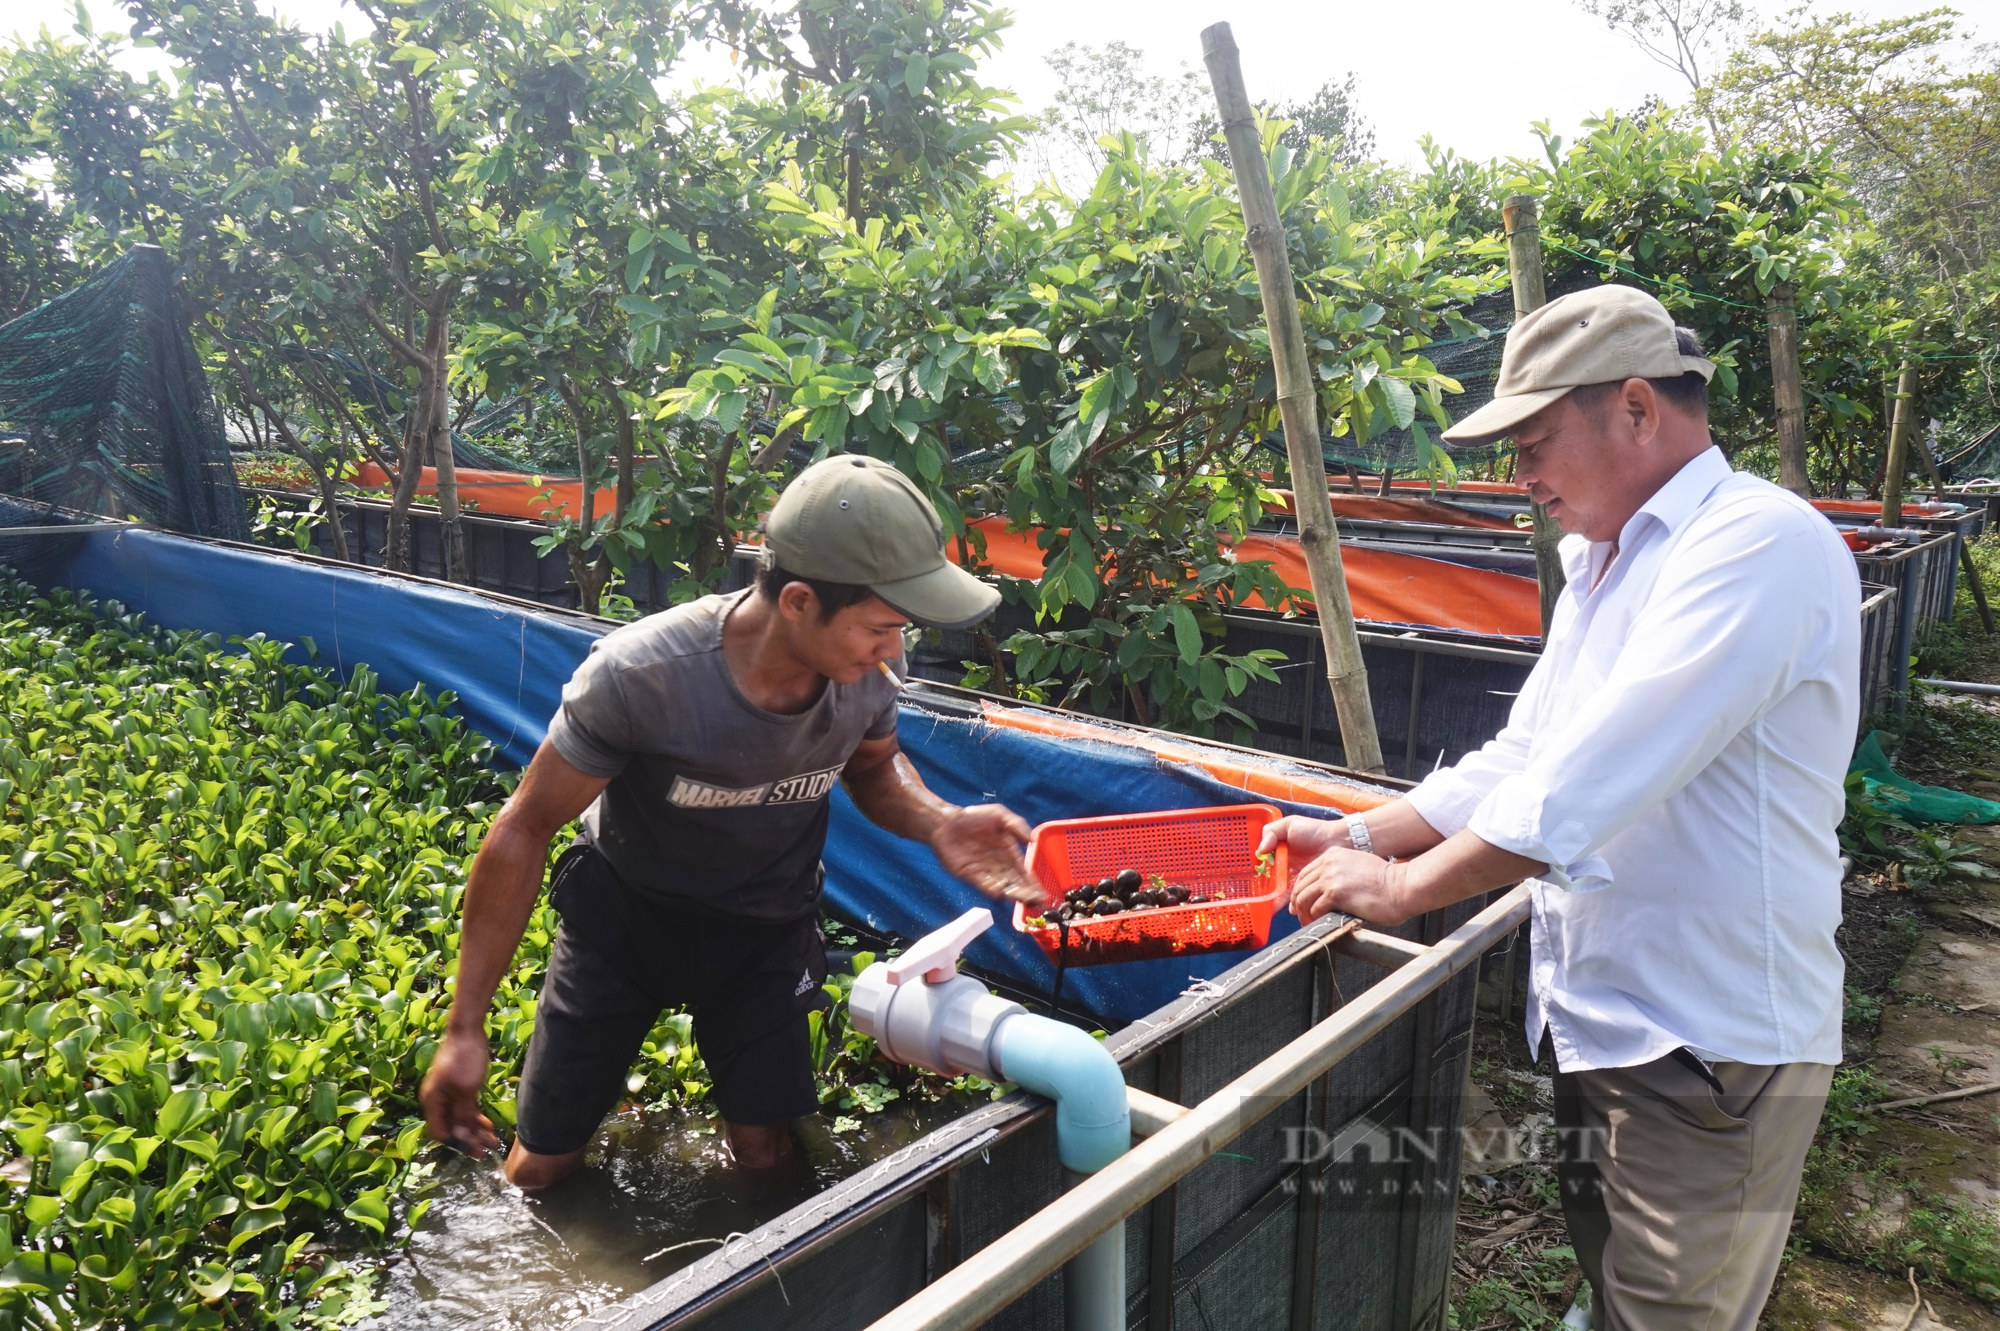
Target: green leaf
[371,1208]
[1097,399]
[1187,633]
[1082,584]
[932,375]
[745,360]
[637,267]
[642,307]
[1066,447]
[252,1223]
[98,1268]
[419,58]
[183,1109]
[917,73]
[729,409]
[65,1158]
[1163,329]
[48,1271]
[211,1282]
[1402,402]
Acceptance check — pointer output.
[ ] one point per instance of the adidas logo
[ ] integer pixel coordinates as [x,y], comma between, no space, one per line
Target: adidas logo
[805,985]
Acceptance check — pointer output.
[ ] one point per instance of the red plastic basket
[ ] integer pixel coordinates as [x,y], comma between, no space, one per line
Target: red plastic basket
[1211,851]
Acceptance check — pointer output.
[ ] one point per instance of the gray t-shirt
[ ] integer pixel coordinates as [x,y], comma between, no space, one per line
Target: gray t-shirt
[713,800]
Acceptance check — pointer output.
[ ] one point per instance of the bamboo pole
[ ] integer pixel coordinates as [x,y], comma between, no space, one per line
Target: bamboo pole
[1787,392]
[1898,461]
[1521,217]
[1298,404]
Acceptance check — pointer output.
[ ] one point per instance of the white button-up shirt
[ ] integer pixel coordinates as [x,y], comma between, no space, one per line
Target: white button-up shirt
[1677,758]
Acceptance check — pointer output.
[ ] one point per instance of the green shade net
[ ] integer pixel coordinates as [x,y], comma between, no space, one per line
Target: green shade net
[1474,361]
[1894,793]
[104,409]
[385,400]
[1978,460]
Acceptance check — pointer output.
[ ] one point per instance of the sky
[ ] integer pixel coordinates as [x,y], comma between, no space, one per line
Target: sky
[1472,74]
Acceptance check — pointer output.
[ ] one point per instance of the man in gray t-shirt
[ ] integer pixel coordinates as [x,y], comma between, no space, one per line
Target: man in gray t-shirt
[716,800]
[701,746]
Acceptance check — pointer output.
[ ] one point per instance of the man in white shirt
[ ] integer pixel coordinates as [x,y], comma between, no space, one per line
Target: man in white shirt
[1670,781]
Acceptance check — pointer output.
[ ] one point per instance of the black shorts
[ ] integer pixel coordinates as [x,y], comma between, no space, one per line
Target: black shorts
[619,959]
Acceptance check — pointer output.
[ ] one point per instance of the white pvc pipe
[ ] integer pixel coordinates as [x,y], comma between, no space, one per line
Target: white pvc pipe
[1004,1270]
[1962,686]
[1093,1128]
[920,1010]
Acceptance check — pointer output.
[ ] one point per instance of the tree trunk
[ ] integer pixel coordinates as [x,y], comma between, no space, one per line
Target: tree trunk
[623,497]
[437,345]
[588,574]
[1521,217]
[265,415]
[323,478]
[396,552]
[1298,403]
[1787,393]
[329,495]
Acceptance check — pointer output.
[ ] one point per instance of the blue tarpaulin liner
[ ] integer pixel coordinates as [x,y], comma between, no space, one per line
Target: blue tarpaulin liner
[507,664]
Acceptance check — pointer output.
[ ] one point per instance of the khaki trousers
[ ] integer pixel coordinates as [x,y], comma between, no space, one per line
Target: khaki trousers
[1679,1199]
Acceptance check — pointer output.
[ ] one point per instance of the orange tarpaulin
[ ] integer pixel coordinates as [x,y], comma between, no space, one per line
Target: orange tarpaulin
[1272,779]
[1480,487]
[1013,553]
[1403,508]
[1393,588]
[1385,586]
[508,493]
[1925,509]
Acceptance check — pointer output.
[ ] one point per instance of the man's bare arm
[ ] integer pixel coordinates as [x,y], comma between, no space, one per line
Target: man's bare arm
[980,844]
[500,894]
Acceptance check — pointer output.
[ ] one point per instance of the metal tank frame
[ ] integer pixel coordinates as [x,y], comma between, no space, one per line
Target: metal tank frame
[1296,1068]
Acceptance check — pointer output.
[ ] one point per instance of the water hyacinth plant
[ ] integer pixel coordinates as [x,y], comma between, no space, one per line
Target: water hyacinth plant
[229,899]
[228,894]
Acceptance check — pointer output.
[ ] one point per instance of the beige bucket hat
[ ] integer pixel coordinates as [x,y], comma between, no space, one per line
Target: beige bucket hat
[1607,334]
[858,520]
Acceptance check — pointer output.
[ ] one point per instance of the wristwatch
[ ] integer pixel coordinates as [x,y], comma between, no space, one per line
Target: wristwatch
[1357,834]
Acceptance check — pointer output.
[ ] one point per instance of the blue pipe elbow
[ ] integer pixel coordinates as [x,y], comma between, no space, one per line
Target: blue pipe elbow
[1093,1119]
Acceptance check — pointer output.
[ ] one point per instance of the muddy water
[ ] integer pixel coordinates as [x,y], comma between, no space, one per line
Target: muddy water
[487,1257]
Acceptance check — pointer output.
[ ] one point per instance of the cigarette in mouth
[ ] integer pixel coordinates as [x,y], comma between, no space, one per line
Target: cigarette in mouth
[890,675]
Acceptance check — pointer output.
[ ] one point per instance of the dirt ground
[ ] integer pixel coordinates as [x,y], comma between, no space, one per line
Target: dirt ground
[1899,1220]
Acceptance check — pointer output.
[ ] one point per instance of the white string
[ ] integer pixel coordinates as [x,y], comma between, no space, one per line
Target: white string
[520,691]
[734,1235]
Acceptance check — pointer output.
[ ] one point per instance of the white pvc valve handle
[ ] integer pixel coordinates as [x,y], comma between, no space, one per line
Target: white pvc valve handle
[935,955]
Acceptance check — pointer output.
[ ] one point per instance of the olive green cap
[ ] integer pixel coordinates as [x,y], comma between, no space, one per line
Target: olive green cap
[1604,335]
[858,520]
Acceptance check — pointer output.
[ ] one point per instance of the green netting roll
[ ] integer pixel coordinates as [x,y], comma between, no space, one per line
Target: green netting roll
[104,409]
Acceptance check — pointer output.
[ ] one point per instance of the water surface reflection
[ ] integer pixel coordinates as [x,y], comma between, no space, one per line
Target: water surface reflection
[488,1258]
